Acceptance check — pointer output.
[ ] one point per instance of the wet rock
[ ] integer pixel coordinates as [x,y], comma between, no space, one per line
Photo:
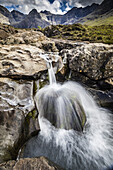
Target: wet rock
[30,164]
[16,101]
[103,98]
[16,94]
[62,109]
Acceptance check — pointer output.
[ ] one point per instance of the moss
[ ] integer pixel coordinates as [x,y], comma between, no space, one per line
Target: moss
[30,115]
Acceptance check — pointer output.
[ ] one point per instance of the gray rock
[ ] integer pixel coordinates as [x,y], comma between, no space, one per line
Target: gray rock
[30,164]
[103,98]
[16,101]
[91,64]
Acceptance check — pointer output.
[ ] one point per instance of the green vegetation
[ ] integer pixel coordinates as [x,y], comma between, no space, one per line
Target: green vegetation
[100,21]
[78,32]
[39,27]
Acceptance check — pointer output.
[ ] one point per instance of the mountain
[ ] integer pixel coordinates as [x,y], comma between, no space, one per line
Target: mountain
[74,14]
[18,16]
[90,15]
[102,15]
[70,17]
[53,19]
[32,20]
[45,18]
[104,7]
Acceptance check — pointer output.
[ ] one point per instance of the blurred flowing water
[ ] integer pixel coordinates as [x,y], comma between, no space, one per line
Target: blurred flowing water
[88,148]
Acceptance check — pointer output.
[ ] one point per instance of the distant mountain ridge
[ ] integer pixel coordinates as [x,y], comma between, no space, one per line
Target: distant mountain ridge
[46,18]
[102,15]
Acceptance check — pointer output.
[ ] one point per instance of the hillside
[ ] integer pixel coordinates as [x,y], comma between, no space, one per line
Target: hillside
[104,19]
[103,15]
[78,32]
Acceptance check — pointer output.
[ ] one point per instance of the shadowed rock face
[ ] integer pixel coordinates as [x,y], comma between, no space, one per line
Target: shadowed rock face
[16,100]
[30,163]
[18,16]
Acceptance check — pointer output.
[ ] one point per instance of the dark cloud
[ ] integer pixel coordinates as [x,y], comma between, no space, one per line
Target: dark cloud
[55,6]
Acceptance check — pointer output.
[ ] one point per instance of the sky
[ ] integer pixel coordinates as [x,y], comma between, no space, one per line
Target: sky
[54,6]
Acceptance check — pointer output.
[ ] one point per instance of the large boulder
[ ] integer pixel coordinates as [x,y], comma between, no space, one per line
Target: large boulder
[21,56]
[30,164]
[16,101]
[91,64]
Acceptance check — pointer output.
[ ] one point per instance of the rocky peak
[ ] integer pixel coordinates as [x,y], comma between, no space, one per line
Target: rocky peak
[46,12]
[81,12]
[34,12]
[18,16]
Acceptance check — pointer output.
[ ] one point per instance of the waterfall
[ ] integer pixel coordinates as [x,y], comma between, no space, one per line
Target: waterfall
[52,78]
[67,137]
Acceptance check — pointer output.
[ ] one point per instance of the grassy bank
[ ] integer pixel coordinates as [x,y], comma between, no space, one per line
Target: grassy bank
[102,33]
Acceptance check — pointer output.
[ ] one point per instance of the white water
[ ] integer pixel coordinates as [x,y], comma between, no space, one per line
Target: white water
[91,149]
[52,78]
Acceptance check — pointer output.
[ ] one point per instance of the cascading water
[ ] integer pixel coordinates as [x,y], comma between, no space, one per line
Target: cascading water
[61,110]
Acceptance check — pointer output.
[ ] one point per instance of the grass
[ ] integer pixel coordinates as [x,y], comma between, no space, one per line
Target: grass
[78,32]
[100,21]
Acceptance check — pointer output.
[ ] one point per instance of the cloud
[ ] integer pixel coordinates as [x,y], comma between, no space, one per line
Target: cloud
[82,3]
[56,7]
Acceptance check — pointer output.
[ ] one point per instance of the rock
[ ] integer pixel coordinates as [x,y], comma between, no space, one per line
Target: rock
[16,61]
[23,51]
[15,94]
[30,164]
[21,62]
[91,64]
[5,31]
[16,101]
[103,98]
[26,37]
[65,44]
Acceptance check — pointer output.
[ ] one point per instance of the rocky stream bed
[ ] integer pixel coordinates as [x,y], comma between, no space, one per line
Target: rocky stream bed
[23,71]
